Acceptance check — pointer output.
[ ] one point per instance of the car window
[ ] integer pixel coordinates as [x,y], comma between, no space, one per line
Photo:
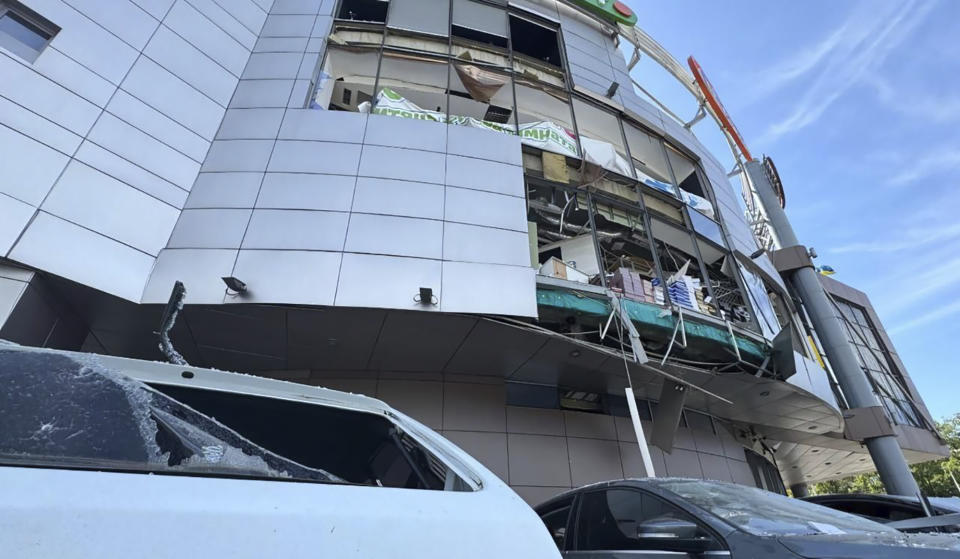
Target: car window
[47,404]
[620,519]
[763,513]
[555,518]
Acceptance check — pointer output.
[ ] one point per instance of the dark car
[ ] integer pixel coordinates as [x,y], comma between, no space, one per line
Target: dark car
[671,517]
[893,509]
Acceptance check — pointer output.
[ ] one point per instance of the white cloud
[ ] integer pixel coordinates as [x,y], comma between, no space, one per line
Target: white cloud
[907,239]
[914,102]
[920,284]
[927,318]
[946,159]
[854,51]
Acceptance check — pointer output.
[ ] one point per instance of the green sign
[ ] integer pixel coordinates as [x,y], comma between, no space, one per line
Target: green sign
[613,11]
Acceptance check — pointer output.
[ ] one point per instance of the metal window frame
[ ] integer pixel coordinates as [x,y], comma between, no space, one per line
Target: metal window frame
[33,18]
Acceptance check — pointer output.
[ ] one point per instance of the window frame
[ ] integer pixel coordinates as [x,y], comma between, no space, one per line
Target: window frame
[572,505]
[32,18]
[643,492]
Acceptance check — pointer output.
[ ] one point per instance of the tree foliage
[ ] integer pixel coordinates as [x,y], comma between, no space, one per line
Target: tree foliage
[933,477]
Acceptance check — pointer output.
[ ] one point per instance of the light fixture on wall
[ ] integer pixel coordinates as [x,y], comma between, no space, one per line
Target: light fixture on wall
[234,284]
[756,254]
[426,297]
[612,90]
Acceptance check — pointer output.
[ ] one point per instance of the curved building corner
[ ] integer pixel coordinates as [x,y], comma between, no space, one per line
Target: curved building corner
[462,207]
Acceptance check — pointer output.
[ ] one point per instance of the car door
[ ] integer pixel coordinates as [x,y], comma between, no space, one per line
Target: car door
[626,522]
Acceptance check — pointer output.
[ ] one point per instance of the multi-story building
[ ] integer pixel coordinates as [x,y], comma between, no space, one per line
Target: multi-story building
[461,207]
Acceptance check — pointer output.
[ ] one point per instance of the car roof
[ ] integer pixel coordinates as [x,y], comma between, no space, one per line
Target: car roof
[643,483]
[951,504]
[158,372]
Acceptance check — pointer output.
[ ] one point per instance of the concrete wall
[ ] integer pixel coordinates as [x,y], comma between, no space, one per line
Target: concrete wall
[541,452]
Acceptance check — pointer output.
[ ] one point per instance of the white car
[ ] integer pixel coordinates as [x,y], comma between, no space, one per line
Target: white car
[109,457]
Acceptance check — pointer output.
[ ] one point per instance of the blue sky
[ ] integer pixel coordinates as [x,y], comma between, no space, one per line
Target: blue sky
[859,105]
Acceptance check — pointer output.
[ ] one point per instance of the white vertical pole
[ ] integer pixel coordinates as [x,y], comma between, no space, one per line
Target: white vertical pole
[638,430]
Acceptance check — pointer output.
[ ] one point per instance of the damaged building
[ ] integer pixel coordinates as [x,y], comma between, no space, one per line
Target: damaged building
[464,208]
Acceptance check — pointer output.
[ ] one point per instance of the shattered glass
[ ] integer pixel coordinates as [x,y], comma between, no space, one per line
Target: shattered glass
[763,513]
[69,412]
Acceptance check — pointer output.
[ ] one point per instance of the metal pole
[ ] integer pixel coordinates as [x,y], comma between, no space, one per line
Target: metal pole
[884,449]
[638,431]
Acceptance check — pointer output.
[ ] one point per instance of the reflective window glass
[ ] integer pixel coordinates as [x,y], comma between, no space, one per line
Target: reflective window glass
[649,159]
[545,119]
[24,32]
[600,138]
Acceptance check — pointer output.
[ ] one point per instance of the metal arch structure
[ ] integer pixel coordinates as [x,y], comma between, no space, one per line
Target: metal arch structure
[643,43]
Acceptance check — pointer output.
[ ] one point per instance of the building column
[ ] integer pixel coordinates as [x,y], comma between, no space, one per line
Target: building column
[799,490]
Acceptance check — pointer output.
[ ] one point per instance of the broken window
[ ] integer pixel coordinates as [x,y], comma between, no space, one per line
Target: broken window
[545,119]
[757,291]
[349,34]
[601,139]
[58,411]
[363,10]
[692,190]
[685,283]
[412,86]
[481,97]
[565,243]
[649,159]
[728,298]
[346,79]
[481,30]
[536,50]
[628,262]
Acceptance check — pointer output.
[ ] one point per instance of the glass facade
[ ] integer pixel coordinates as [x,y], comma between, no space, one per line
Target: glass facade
[637,217]
[876,362]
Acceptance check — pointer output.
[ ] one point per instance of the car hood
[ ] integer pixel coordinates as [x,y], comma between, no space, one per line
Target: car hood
[874,546]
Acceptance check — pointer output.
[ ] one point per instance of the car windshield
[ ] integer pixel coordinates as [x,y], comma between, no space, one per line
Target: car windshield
[763,513]
[58,410]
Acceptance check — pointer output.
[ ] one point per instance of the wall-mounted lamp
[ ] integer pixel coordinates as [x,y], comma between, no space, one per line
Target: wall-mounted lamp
[426,297]
[612,90]
[756,254]
[234,284]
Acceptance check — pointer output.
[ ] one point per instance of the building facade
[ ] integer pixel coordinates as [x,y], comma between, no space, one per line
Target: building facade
[461,207]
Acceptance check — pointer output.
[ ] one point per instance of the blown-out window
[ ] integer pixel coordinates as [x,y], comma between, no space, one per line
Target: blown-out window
[346,80]
[625,251]
[649,159]
[481,96]
[412,86]
[692,189]
[535,42]
[544,116]
[601,138]
[685,283]
[565,244]
[374,11]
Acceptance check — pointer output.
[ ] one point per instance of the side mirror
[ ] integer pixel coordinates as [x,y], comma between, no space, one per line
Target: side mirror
[673,534]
